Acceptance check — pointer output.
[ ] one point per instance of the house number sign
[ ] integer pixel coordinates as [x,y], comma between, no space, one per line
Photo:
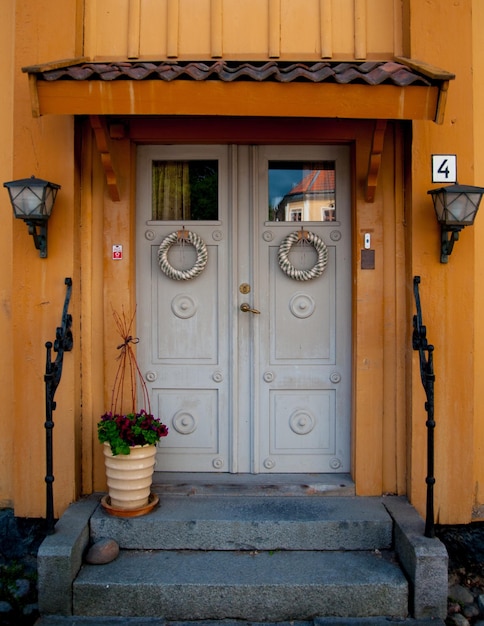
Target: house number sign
[444,168]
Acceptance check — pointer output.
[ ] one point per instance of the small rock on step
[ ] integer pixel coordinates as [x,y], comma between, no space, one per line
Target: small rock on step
[457,620]
[470,611]
[103,551]
[21,589]
[461,594]
[5,608]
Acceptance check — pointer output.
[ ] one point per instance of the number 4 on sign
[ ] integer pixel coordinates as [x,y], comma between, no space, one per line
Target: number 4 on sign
[444,168]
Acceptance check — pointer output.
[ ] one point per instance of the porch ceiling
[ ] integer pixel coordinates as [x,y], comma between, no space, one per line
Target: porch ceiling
[398,89]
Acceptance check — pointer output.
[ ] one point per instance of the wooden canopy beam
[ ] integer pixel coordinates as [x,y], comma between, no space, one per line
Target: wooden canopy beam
[240,98]
[374,163]
[103,144]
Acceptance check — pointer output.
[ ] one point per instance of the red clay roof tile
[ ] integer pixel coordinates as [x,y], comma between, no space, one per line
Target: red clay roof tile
[371,73]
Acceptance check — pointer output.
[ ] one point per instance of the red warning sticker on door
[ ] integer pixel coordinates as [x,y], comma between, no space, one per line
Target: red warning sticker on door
[117,252]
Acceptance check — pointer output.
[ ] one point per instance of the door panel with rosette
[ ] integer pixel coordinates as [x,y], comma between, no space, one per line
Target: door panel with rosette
[304,401]
[243,274]
[182,300]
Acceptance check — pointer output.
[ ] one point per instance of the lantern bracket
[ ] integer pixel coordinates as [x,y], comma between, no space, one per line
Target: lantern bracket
[39,236]
[448,237]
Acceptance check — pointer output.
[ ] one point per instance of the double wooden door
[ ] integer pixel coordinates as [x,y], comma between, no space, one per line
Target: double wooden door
[244,305]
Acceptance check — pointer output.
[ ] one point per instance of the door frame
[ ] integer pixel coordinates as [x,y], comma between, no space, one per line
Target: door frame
[382,409]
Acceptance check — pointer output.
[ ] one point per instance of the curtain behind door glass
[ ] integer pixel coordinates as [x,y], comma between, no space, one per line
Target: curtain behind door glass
[185,190]
[171,190]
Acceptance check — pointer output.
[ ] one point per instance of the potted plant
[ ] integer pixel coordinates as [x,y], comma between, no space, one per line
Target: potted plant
[129,436]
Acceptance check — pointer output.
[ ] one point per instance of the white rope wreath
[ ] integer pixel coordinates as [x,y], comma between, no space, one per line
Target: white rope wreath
[289,269]
[200,247]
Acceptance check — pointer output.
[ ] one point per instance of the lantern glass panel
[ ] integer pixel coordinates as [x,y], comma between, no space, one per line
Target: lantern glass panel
[32,198]
[461,208]
[439,205]
[26,201]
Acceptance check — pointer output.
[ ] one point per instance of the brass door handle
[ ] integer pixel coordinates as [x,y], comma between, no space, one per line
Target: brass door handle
[246,309]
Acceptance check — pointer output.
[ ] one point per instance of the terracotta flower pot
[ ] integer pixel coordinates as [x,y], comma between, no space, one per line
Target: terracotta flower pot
[129,476]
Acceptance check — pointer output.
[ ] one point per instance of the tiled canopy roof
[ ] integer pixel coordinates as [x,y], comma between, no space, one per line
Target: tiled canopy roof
[370,73]
[400,88]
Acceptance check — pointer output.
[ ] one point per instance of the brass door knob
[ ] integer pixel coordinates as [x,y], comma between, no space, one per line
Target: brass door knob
[247,309]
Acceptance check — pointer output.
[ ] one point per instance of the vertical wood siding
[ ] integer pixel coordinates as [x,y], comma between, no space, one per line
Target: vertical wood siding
[216,29]
[172,28]
[134,29]
[253,29]
[326,28]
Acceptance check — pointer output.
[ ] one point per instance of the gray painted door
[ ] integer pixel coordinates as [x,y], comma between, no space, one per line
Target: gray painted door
[265,389]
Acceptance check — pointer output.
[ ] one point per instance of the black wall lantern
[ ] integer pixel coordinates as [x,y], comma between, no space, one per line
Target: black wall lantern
[32,200]
[456,207]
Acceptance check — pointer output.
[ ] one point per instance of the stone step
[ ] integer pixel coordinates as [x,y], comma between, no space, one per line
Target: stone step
[251,523]
[56,620]
[247,585]
[265,585]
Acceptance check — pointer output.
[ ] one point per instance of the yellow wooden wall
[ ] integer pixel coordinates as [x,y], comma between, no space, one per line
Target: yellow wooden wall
[448,290]
[33,288]
[252,29]
[106,286]
[380,342]
[7,20]
[478,119]
[390,430]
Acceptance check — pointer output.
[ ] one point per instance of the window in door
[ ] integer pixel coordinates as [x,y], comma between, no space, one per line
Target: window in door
[185,190]
[302,191]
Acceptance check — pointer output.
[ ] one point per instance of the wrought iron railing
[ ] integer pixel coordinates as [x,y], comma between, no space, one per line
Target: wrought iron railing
[53,372]
[425,350]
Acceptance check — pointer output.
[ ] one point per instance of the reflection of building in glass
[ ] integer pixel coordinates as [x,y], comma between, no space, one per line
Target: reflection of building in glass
[311,200]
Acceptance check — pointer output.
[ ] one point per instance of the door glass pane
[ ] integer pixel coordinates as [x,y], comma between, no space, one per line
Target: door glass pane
[185,190]
[302,191]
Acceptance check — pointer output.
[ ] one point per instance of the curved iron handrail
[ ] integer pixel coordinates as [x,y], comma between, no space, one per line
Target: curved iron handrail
[427,376]
[53,372]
